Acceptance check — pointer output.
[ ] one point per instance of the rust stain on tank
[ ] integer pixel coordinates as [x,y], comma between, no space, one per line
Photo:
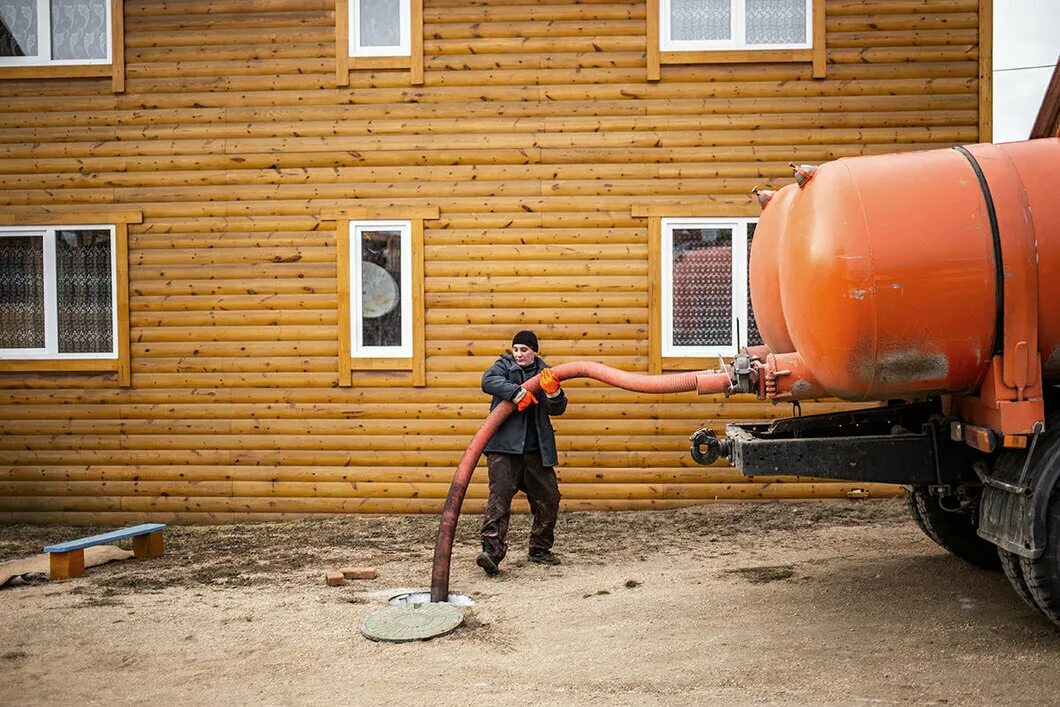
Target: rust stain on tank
[911,367]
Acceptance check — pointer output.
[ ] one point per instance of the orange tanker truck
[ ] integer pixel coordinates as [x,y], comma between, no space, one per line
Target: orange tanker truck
[930,281]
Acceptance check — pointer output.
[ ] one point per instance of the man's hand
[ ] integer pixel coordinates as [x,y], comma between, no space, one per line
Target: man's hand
[524,399]
[549,382]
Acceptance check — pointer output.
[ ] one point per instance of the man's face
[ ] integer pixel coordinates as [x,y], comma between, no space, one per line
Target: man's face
[524,355]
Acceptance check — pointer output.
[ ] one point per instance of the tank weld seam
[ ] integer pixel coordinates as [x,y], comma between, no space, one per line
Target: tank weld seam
[999,267]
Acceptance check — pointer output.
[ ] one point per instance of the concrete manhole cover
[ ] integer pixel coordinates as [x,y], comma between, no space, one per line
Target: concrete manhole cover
[411,622]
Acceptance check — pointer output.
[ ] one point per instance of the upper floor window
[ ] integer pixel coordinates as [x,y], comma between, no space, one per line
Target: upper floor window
[703,25]
[706,308]
[58,292]
[380,28]
[55,32]
[381,289]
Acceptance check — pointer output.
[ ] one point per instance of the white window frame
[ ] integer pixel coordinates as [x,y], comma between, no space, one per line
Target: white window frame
[357,348]
[51,299]
[404,46]
[44,42]
[741,300]
[738,32]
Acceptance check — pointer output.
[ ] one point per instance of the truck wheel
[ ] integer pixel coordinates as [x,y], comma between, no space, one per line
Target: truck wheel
[1043,575]
[955,531]
[1010,563]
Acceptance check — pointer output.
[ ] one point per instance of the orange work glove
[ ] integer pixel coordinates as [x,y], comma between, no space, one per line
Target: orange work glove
[524,400]
[549,382]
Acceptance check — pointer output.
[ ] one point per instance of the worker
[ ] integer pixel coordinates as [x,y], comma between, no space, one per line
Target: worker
[521,455]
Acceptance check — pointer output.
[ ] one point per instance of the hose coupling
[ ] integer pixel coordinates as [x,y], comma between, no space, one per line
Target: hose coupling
[706,447]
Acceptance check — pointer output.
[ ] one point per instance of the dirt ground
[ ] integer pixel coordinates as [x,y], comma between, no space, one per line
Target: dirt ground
[842,602]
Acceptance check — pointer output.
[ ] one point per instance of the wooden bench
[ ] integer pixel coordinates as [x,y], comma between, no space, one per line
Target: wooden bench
[67,559]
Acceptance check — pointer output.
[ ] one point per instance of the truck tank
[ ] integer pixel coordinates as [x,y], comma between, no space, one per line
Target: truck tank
[902,275]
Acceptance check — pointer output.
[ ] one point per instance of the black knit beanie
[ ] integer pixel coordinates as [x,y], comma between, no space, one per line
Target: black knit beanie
[526,338]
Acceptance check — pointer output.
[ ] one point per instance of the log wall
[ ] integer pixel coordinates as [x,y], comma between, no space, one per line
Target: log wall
[534,132]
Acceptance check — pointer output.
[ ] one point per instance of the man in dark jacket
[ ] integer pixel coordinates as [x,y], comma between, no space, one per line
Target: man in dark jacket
[522,453]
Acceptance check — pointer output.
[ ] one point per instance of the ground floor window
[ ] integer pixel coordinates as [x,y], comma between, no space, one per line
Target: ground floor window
[705,303]
[58,292]
[381,289]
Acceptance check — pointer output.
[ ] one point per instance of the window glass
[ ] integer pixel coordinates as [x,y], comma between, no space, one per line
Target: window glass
[22,292]
[18,28]
[754,338]
[380,23]
[700,19]
[381,287]
[79,29]
[776,21]
[83,291]
[702,287]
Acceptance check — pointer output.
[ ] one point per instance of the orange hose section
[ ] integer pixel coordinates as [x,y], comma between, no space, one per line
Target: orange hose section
[705,381]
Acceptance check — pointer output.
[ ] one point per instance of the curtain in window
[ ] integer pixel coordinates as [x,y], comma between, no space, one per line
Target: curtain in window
[702,287]
[700,19]
[21,292]
[754,337]
[776,21]
[18,27]
[79,29]
[83,289]
[380,23]
[381,288]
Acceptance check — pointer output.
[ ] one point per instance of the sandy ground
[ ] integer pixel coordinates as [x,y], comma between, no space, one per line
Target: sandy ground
[774,603]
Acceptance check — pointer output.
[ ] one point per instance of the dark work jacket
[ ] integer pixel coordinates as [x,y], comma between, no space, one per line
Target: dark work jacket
[502,381]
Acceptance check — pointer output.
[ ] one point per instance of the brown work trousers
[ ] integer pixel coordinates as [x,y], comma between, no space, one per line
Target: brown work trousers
[510,473]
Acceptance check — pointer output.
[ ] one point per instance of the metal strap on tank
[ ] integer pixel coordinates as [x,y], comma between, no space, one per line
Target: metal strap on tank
[999,268]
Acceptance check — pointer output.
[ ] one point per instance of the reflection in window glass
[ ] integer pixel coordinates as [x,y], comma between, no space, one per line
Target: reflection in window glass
[380,23]
[381,288]
[18,28]
[83,291]
[22,292]
[702,287]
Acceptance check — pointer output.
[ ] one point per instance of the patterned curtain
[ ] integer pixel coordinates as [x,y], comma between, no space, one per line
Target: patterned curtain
[776,21]
[22,292]
[83,289]
[700,19]
[754,337]
[702,290]
[380,23]
[381,288]
[79,29]
[18,27]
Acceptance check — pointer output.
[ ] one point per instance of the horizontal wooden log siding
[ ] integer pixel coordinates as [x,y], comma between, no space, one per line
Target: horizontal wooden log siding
[535,133]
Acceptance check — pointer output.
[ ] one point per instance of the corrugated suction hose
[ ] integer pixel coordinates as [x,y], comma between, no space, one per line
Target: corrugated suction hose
[706,382]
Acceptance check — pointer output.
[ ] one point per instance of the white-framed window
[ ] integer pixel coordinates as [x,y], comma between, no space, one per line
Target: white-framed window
[380,28]
[55,32]
[706,309]
[704,25]
[381,289]
[58,293]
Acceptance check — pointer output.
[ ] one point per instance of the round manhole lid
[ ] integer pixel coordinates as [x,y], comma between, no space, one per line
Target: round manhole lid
[411,622]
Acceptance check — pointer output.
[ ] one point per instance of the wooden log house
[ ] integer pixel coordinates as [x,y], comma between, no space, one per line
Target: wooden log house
[256,254]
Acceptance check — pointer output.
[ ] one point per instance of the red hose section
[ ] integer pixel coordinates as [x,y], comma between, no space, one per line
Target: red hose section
[636,382]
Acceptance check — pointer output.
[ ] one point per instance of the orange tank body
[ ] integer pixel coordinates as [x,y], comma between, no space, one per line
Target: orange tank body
[881,271]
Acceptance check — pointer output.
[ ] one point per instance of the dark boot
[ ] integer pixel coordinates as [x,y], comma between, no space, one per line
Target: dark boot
[543,557]
[487,563]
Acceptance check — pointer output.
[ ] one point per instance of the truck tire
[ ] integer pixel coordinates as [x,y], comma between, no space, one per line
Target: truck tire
[954,531]
[1043,574]
[1010,563]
